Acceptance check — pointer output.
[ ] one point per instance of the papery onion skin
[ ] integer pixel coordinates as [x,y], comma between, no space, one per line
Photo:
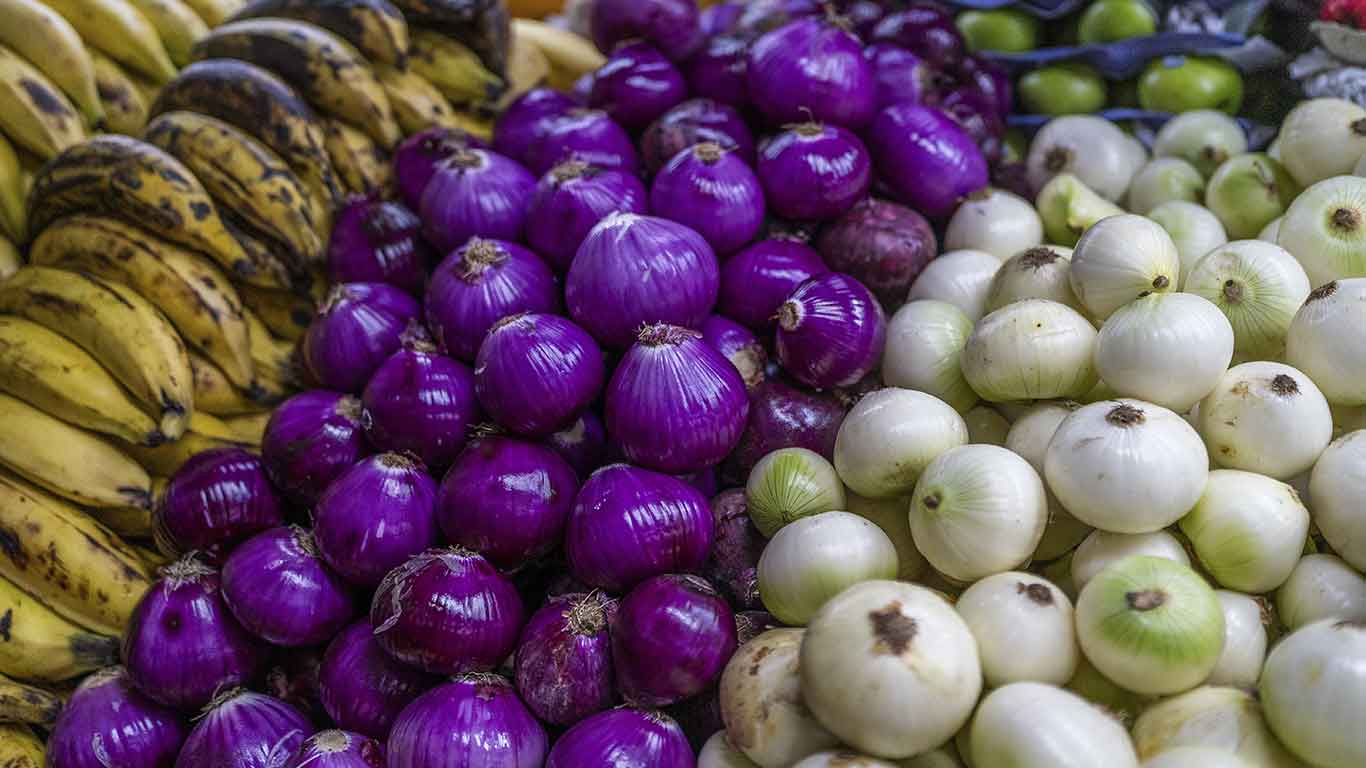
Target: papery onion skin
[535,373]
[582,134]
[693,122]
[1267,418]
[816,557]
[736,548]
[375,516]
[883,245]
[243,729]
[1194,229]
[890,515]
[669,25]
[789,484]
[718,70]
[1319,139]
[215,500]
[420,402]
[1034,349]
[338,749]
[1259,286]
[1248,192]
[1336,487]
[924,29]
[782,415]
[1325,227]
[1321,587]
[582,443]
[108,720]
[761,702]
[1036,725]
[1322,341]
[740,346]
[356,329]
[1024,629]
[1244,654]
[1034,273]
[636,85]
[718,752]
[1101,155]
[924,340]
[1203,137]
[1068,207]
[564,659]
[1100,549]
[279,589]
[712,191]
[376,241]
[360,687]
[831,331]
[1186,720]
[1161,180]
[475,193]
[811,69]
[925,158]
[1310,686]
[1166,349]
[889,438]
[1121,258]
[671,637]
[481,283]
[571,198]
[310,439]
[416,159]
[757,280]
[473,720]
[996,221]
[962,278]
[813,171]
[1248,530]
[625,736]
[522,122]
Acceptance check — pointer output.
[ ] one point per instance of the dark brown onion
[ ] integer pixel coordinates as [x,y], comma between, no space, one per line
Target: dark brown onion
[882,244]
[782,415]
[734,564]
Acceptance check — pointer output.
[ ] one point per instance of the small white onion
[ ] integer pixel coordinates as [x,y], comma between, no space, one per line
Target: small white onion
[1163,179]
[1240,663]
[925,339]
[1227,719]
[1204,137]
[890,668]
[1325,229]
[1247,530]
[1121,258]
[1092,148]
[977,510]
[1338,485]
[761,702]
[1327,342]
[1193,228]
[1035,725]
[996,221]
[814,558]
[718,752]
[1248,192]
[1030,350]
[1321,587]
[842,759]
[1314,691]
[1030,434]
[1068,208]
[1100,550]
[961,278]
[1195,757]
[1165,348]
[1034,273]
[1024,629]
[890,436]
[788,484]
[890,515]
[1267,418]
[1271,230]
[1126,466]
[1258,286]
[1321,138]
[986,426]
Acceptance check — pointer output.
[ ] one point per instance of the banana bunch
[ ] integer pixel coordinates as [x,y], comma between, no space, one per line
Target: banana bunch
[569,55]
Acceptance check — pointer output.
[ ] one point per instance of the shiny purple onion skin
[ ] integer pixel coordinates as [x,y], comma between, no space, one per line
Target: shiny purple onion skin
[925,158]
[361,688]
[374,517]
[927,31]
[900,76]
[988,79]
[704,480]
[811,69]
[377,241]
[569,200]
[671,638]
[762,16]
[415,159]
[526,118]
[636,85]
[693,122]
[713,192]
[420,402]
[564,659]
[719,70]
[357,328]
[864,15]
[782,416]
[475,193]
[623,738]
[812,172]
[338,749]
[312,438]
[734,564]
[739,345]
[582,444]
[473,721]
[881,244]
[481,283]
[757,280]
[720,18]
[215,500]
[590,135]
[280,590]
[669,25]
[108,722]
[831,332]
[246,730]
[536,373]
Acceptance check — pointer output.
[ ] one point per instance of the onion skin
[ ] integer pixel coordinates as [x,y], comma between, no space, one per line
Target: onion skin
[740,346]
[718,70]
[312,438]
[361,688]
[813,171]
[481,283]
[670,25]
[374,517]
[899,75]
[757,280]
[564,659]
[881,244]
[108,722]
[376,241]
[280,590]
[421,403]
[215,500]
[782,415]
[671,638]
[473,721]
[636,85]
[415,160]
[925,30]
[293,679]
[831,332]
[712,191]
[522,124]
[761,702]
[811,69]
[475,193]
[245,730]
[582,443]
[338,749]
[624,737]
[569,200]
[925,158]
[693,122]
[357,328]
[536,373]
[588,135]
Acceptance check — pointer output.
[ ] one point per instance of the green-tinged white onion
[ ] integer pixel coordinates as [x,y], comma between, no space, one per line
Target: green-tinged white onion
[977,510]
[1163,179]
[1068,207]
[962,278]
[1338,486]
[1099,690]
[718,752]
[944,757]
[1030,350]
[1217,717]
[842,758]
[890,436]
[1204,137]
[1321,138]
[986,426]
[996,221]
[1240,663]
[1126,466]
[1151,625]
[1325,229]
[1035,725]
[1321,587]
[1247,530]
[815,558]
[1272,229]
[1092,148]
[761,702]
[924,341]
[1121,258]
[1166,348]
[789,484]
[1267,418]
[1100,550]
[890,515]
[1034,273]
[1248,192]
[1193,228]
[1327,342]
[1314,691]
[1258,286]
[1196,757]
[1024,629]
[890,668]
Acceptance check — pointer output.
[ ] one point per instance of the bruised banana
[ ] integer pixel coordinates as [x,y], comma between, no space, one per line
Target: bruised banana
[132,522]
[13,194]
[188,289]
[285,313]
[136,181]
[121,31]
[570,55]
[37,644]
[453,68]
[330,74]
[119,328]
[374,27]
[50,43]
[20,703]
[176,23]
[206,433]
[10,259]
[360,163]
[417,104]
[33,111]
[214,394]
[19,748]
[75,566]
[125,108]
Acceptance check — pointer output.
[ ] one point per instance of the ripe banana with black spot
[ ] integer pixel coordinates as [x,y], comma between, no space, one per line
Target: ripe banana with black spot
[176,23]
[483,25]
[37,644]
[121,31]
[50,43]
[361,164]
[375,27]
[19,748]
[214,394]
[287,314]
[206,433]
[274,360]
[527,68]
[20,703]
[13,194]
[269,259]
[33,111]
[125,108]
[417,104]
[132,522]
[453,68]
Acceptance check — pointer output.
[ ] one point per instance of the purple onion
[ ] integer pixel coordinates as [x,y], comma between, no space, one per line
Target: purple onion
[581,444]
[761,16]
[669,25]
[900,75]
[361,688]
[183,645]
[629,524]
[564,659]
[279,589]
[215,500]
[757,280]
[988,79]
[242,729]
[294,680]
[374,517]
[782,416]
[589,135]
[624,738]
[671,637]
[416,159]
[581,89]
[675,404]
[481,283]
[420,402]
[925,158]
[312,438]
[882,244]
[812,171]
[720,18]
[473,721]
[338,749]
[107,722]
[571,198]
[734,564]
[739,345]
[475,193]
[536,373]
[704,480]
[636,85]
[357,328]
[719,70]
[524,121]
[864,15]
[634,270]
[712,191]
[693,122]
[830,332]
[447,611]
[926,30]
[375,241]
[814,70]
[975,113]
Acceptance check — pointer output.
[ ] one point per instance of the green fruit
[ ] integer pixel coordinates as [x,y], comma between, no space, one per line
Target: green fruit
[1000,29]
[1248,191]
[1106,21]
[1184,83]
[1062,89]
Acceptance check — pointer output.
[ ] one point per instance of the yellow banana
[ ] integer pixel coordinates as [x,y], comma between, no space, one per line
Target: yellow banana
[33,111]
[417,104]
[19,748]
[374,27]
[527,67]
[10,258]
[206,433]
[188,289]
[250,428]
[215,12]
[151,556]
[479,125]
[56,553]
[125,108]
[20,703]
[13,218]
[37,644]
[285,313]
[133,522]
[362,166]
[121,31]
[119,328]
[570,55]
[267,258]
[453,68]
[176,23]
[46,370]
[214,394]
[274,360]
[42,36]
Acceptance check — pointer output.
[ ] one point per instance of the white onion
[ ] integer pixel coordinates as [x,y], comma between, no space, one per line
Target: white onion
[1327,340]
[788,484]
[1092,148]
[1100,550]
[1248,192]
[1102,692]
[1068,208]
[1033,429]
[1321,138]
[842,759]
[924,341]
[939,758]
[1204,137]
[761,702]
[1360,168]
[1267,418]
[718,752]
[986,425]
[1338,485]
[1247,530]
[1163,179]
[1271,230]
[890,515]
[1126,466]
[1035,725]
[812,559]
[1193,228]
[1024,629]
[890,668]
[996,221]
[1321,587]
[1325,229]
[1196,757]
[1240,663]
[1259,286]
[1034,273]
[1166,348]
[890,436]
[977,510]
[1227,719]
[1030,350]
[1121,258]
[1314,692]
[961,278]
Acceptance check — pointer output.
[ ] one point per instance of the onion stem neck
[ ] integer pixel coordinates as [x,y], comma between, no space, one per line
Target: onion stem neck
[1359,126]
[1285,385]
[708,152]
[1039,257]
[932,501]
[1214,156]
[1125,415]
[568,171]
[349,407]
[185,570]
[893,629]
[790,315]
[1233,292]
[1039,594]
[332,741]
[465,158]
[663,334]
[1161,282]
[586,617]
[479,255]
[393,460]
[1145,600]
[1346,219]
[1323,291]
[808,130]
[1056,159]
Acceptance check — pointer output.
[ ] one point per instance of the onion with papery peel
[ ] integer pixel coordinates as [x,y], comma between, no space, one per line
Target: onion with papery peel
[569,200]
[1311,685]
[671,637]
[1034,725]
[1267,418]
[1205,138]
[475,193]
[338,749]
[882,244]
[814,558]
[1324,341]
[925,158]
[375,241]
[244,729]
[811,69]
[278,587]
[813,171]
[1325,229]
[962,278]
[357,327]
[536,373]
[416,159]
[831,331]
[310,439]
[474,719]
[636,85]
[625,735]
[420,402]
[761,702]
[996,221]
[375,516]
[925,339]
[519,128]
[1091,148]
[214,501]
[108,722]
[713,191]
[1322,138]
[693,122]
[480,283]
[361,687]
[1258,286]
[889,438]
[564,659]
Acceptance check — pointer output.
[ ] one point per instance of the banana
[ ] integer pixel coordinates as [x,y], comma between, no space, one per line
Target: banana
[206,433]
[274,360]
[478,125]
[134,180]
[267,258]
[214,394]
[362,166]
[125,108]
[33,111]
[134,522]
[527,68]
[75,566]
[329,73]
[188,289]
[375,27]
[121,31]
[19,748]
[10,258]
[177,24]
[246,178]
[453,68]
[250,428]
[37,644]
[42,36]
[21,703]
[285,313]
[47,371]
[13,218]
[151,556]
[215,12]
[417,104]
[570,55]
[482,25]
[119,328]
